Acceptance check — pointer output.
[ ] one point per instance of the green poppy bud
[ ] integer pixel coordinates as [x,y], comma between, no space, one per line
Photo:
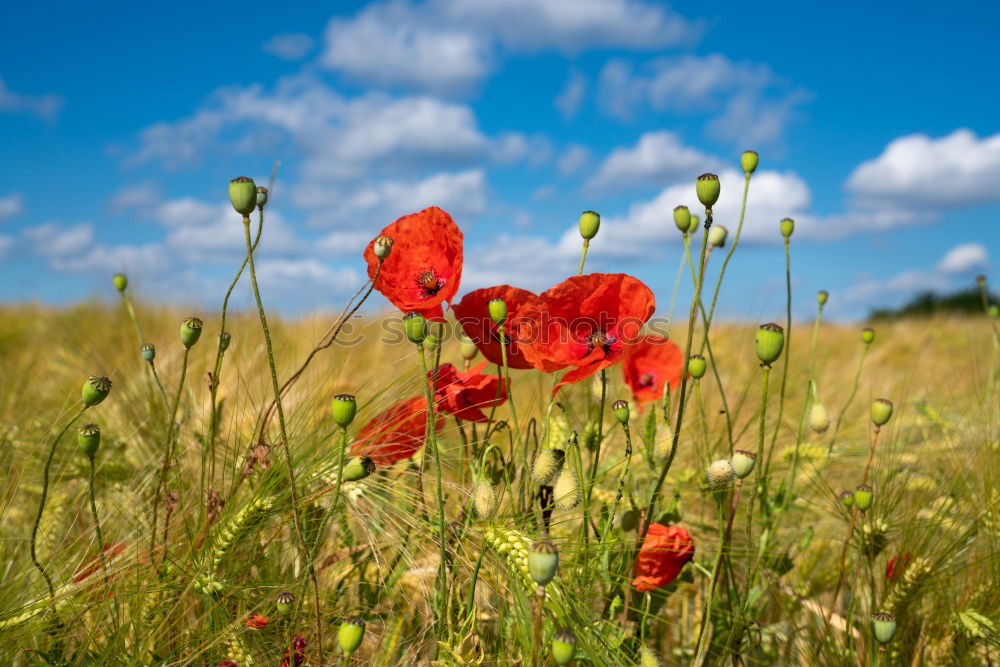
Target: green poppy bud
[697,366]
[563,647]
[693,224]
[993,311]
[358,468]
[243,195]
[981,279]
[883,627]
[548,464]
[749,162]
[89,439]
[344,407]
[383,246]
[743,462]
[720,473]
[543,562]
[148,351]
[847,497]
[769,342]
[822,297]
[120,281]
[590,222]
[647,656]
[350,635]
[881,411]
[566,490]
[629,520]
[284,603]
[95,390]
[191,331]
[485,500]
[819,418]
[787,227]
[224,340]
[431,342]
[620,410]
[682,218]
[707,186]
[498,310]
[262,194]
[467,348]
[415,327]
[717,236]
[863,497]
[867,335]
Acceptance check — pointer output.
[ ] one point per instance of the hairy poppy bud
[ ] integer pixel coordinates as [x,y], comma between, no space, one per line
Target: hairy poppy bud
[822,297]
[707,186]
[543,562]
[693,224]
[566,490]
[863,496]
[344,407]
[485,500]
[415,327]
[664,443]
[590,222]
[467,348]
[847,497]
[787,227]
[431,343]
[881,411]
[224,340]
[358,468]
[243,195]
[629,520]
[620,409]
[717,236]
[647,656]
[883,627]
[120,281]
[383,246]
[819,418]
[697,366]
[563,647]
[284,603]
[682,218]
[262,194]
[743,462]
[148,351]
[350,634]
[769,341]
[720,473]
[749,161]
[95,390]
[89,439]
[547,465]
[497,309]
[867,335]
[190,331]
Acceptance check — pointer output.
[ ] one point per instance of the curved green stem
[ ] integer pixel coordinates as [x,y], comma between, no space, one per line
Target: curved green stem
[100,536]
[583,256]
[161,488]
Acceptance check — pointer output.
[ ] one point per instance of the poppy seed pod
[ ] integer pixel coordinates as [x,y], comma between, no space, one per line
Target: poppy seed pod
[743,462]
[543,562]
[344,407]
[95,390]
[467,348]
[847,497]
[787,227]
[382,246]
[243,195]
[497,309]
[693,224]
[881,411]
[566,490]
[415,327]
[350,634]
[120,281]
[819,418]
[548,464]
[629,520]
[621,411]
[769,342]
[563,647]
[262,194]
[682,218]
[708,188]
[190,331]
[981,279]
[749,161]
[720,473]
[822,297]
[485,500]
[358,468]
[148,351]
[717,236]
[89,439]
[224,340]
[590,222]
[867,335]
[697,366]
[863,497]
[883,627]
[284,603]
[993,311]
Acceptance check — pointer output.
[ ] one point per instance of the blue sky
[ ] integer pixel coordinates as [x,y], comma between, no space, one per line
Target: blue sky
[121,127]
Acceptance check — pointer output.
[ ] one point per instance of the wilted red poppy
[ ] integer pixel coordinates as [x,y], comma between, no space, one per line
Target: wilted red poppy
[475,320]
[396,434]
[664,552]
[110,551]
[257,621]
[464,395]
[299,644]
[652,364]
[896,565]
[585,321]
[425,265]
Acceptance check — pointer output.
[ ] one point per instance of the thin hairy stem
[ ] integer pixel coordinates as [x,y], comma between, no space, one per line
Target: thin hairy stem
[850,397]
[725,262]
[583,256]
[100,536]
[161,488]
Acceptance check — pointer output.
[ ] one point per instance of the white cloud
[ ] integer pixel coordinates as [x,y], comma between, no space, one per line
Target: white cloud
[11,205]
[916,171]
[54,240]
[657,157]
[573,95]
[131,197]
[6,243]
[964,258]
[573,159]
[45,106]
[510,147]
[290,45]
[305,274]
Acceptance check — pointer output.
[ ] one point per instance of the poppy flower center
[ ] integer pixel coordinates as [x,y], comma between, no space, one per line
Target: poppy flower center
[647,381]
[430,283]
[601,340]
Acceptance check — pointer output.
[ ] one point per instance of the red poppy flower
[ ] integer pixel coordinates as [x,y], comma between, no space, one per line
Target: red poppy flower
[396,434]
[110,551]
[664,552]
[652,364]
[227,663]
[464,395]
[425,265]
[589,322]
[257,621]
[896,565]
[475,320]
[299,644]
